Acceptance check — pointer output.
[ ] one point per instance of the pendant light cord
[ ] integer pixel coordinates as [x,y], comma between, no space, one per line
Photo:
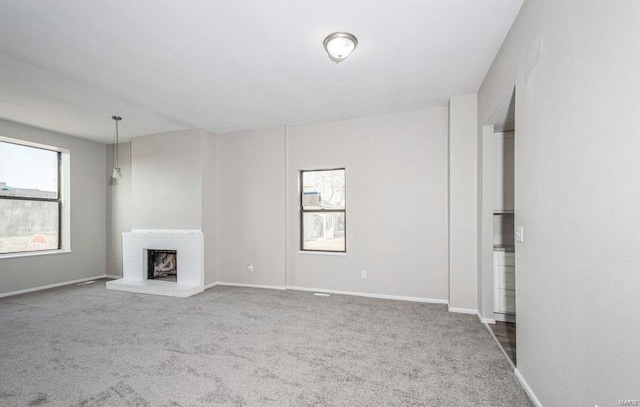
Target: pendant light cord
[117,119]
[117,143]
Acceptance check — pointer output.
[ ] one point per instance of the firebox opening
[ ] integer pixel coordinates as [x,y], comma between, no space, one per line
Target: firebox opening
[163,265]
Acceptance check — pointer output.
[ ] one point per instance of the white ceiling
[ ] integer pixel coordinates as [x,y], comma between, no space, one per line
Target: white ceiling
[165,65]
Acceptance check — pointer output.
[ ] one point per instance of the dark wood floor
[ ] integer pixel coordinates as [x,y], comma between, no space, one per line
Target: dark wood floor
[506,334]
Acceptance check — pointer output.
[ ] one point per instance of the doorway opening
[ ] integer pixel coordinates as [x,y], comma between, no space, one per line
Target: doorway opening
[501,153]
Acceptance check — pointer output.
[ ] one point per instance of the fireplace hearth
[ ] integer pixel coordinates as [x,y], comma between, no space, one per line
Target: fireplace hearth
[162,265]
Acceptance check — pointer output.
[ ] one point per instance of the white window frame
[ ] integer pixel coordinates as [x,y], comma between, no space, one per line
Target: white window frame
[303,211]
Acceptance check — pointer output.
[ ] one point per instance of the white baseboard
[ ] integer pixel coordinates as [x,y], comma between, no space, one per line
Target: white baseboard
[46,287]
[322,290]
[484,320]
[358,294]
[112,276]
[269,287]
[463,310]
[527,388]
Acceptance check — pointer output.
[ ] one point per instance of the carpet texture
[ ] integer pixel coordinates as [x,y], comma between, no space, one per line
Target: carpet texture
[87,346]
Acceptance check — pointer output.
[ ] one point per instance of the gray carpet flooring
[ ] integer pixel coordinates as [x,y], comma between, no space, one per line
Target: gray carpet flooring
[87,346]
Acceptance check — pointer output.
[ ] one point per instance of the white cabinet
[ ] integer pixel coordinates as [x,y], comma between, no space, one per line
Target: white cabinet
[504,283]
[503,148]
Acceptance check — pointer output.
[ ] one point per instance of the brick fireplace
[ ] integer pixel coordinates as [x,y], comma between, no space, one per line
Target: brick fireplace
[184,280]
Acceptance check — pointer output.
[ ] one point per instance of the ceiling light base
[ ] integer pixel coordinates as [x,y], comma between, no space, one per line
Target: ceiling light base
[340,45]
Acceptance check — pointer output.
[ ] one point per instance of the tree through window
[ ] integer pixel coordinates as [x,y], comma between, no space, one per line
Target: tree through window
[323,210]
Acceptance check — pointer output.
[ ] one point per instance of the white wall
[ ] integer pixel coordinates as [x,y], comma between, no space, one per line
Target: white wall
[251,207]
[88,214]
[118,206]
[396,169]
[575,68]
[167,180]
[463,148]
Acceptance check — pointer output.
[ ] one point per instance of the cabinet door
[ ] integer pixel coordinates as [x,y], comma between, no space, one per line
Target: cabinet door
[504,283]
[506,278]
[504,155]
[505,259]
[506,303]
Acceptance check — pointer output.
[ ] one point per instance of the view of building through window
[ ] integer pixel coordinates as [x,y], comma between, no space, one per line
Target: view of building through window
[29,198]
[323,213]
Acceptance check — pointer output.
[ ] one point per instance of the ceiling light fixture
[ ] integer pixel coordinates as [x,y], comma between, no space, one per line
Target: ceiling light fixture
[117,173]
[340,45]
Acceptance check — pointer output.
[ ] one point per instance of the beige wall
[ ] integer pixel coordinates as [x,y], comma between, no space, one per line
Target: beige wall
[575,70]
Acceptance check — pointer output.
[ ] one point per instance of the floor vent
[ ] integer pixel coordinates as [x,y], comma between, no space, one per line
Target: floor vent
[322,294]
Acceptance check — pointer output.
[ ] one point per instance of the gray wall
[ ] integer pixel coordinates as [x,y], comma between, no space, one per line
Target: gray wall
[209,205]
[245,188]
[251,207]
[167,180]
[171,180]
[88,216]
[396,169]
[118,206]
[463,222]
[575,68]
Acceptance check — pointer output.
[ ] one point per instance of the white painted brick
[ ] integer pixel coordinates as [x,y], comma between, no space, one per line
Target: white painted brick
[188,244]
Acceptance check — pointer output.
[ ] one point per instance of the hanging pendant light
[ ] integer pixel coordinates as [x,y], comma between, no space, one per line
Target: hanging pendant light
[117,173]
[340,45]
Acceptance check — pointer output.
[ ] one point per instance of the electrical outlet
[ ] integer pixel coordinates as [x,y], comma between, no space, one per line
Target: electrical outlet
[250,268]
[519,234]
[363,274]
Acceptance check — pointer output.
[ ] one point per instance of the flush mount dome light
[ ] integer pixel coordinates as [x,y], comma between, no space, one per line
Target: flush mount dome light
[339,45]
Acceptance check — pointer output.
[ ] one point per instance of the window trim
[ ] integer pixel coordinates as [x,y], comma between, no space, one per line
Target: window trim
[303,211]
[63,223]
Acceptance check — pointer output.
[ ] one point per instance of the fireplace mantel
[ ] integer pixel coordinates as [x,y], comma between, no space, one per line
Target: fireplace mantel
[190,249]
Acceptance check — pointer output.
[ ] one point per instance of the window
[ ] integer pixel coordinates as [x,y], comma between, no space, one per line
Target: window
[30,202]
[323,211]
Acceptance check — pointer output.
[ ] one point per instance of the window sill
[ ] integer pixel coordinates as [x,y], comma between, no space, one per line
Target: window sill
[322,253]
[31,254]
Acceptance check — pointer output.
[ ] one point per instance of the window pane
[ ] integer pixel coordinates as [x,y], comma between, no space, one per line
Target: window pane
[28,171]
[326,188]
[323,231]
[28,225]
